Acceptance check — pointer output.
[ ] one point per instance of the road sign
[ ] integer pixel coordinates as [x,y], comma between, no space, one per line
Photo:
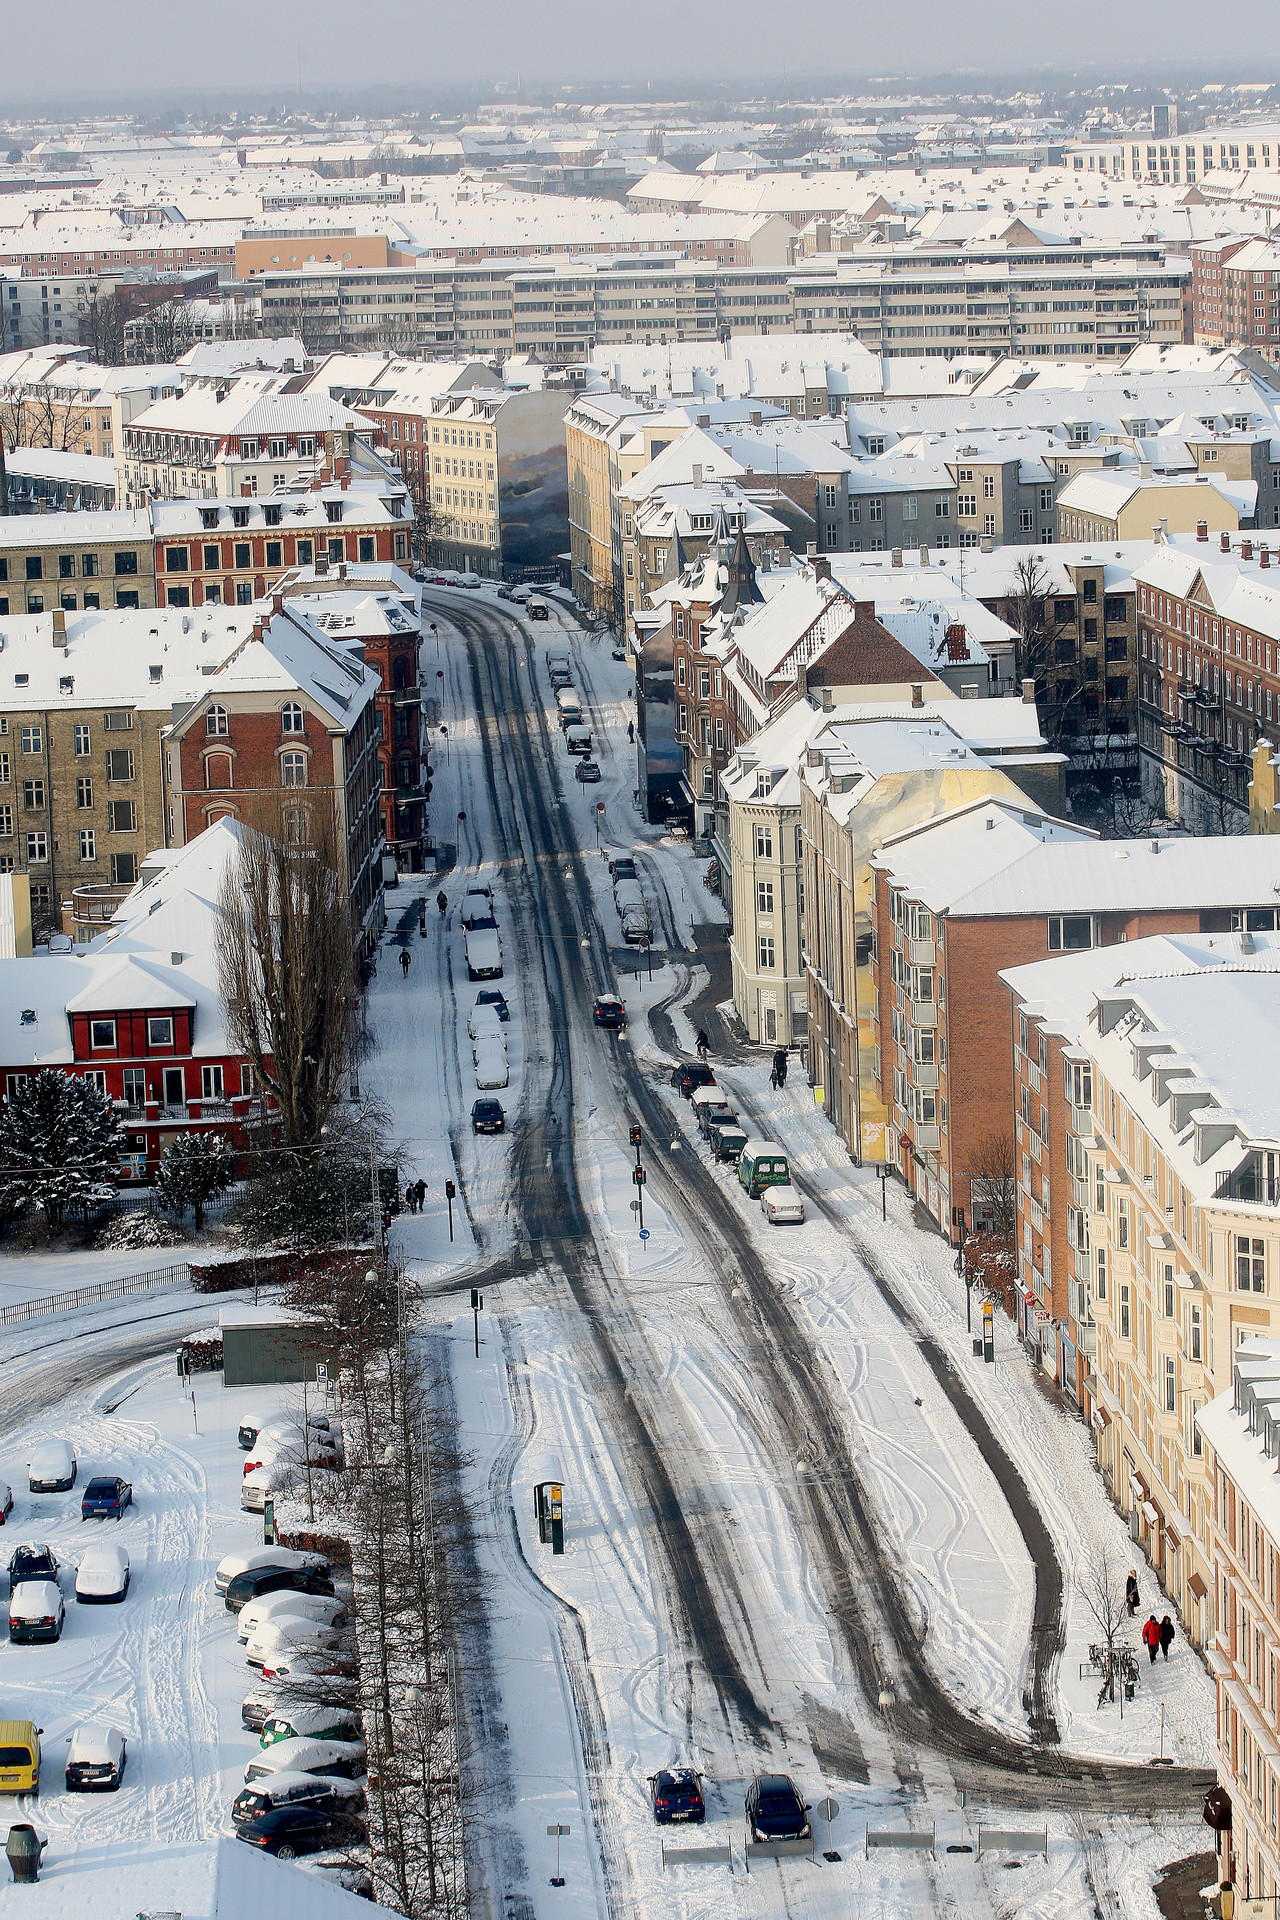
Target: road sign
[599,806]
[828,1808]
[644,1233]
[322,1373]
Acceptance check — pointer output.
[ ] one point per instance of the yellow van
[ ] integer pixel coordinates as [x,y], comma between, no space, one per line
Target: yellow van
[19,1756]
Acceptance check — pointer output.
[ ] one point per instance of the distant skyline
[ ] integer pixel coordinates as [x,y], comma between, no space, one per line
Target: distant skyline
[126,50]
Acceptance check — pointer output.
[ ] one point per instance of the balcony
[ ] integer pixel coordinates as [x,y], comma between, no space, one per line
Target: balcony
[1080,1194]
[215,1110]
[168,1112]
[923,1013]
[1082,1122]
[922,1075]
[96,904]
[1087,1339]
[123,1111]
[406,696]
[922,953]
[926,1139]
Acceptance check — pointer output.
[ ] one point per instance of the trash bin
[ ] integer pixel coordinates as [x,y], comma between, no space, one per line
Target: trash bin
[24,1847]
[977,1347]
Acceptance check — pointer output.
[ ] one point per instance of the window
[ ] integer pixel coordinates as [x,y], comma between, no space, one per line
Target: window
[764,843]
[119,721]
[120,763]
[88,844]
[988,486]
[160,1030]
[766,953]
[175,559]
[291,718]
[215,721]
[126,563]
[1251,1266]
[293,770]
[366,547]
[135,1087]
[1124,1313]
[35,567]
[212,557]
[81,739]
[122,816]
[1101,1271]
[764,896]
[33,795]
[243,555]
[33,739]
[102,1033]
[6,824]
[274,553]
[942,508]
[124,869]
[1072,933]
[305,551]
[211,1083]
[1170,1387]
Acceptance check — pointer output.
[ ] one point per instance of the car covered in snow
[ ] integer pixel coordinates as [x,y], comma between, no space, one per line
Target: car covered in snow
[493,997]
[484,1019]
[622,866]
[491,1065]
[283,1443]
[609,1012]
[339,1759]
[34,1560]
[6,1501]
[677,1796]
[286,1605]
[782,1205]
[96,1756]
[103,1575]
[233,1563]
[307,1827]
[484,955]
[52,1468]
[105,1498]
[36,1611]
[310,1723]
[277,1639]
[293,1789]
[775,1810]
[487,1116]
[726,1140]
[254,1582]
[477,909]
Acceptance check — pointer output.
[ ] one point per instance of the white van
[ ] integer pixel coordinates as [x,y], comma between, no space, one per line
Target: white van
[484,955]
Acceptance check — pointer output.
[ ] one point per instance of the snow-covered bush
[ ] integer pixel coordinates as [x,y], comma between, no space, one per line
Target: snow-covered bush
[135,1228]
[196,1168]
[59,1138]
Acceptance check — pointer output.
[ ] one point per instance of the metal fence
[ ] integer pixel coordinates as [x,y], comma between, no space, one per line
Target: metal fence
[175,1276]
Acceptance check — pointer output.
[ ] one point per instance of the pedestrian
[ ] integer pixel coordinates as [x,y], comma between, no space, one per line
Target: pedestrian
[442,900]
[631,731]
[1166,1635]
[1131,1592]
[422,1194]
[773,1077]
[1151,1637]
[404,961]
[703,1044]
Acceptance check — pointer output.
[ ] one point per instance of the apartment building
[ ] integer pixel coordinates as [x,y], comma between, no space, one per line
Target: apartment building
[1168,1167]
[1179,161]
[59,398]
[1235,293]
[1209,676]
[593,426]
[1238,1429]
[187,553]
[1119,503]
[254,434]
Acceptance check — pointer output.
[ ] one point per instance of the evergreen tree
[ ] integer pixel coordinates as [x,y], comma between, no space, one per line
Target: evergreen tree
[197,1167]
[59,1137]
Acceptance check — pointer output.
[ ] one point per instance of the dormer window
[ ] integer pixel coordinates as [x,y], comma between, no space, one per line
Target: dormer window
[215,721]
[102,1033]
[271,515]
[291,718]
[239,516]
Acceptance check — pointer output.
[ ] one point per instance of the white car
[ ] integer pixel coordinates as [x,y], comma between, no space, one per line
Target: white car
[254,1489]
[96,1756]
[284,1444]
[6,1501]
[52,1468]
[290,1606]
[782,1205]
[103,1574]
[485,1023]
[491,1065]
[476,906]
[233,1563]
[36,1611]
[278,1639]
[340,1758]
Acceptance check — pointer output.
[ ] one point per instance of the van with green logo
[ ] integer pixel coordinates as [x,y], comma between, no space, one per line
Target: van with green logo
[761,1165]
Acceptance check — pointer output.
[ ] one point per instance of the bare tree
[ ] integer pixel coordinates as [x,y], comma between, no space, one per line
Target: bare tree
[1102,1588]
[102,328]
[993,1184]
[426,518]
[286,961]
[1046,650]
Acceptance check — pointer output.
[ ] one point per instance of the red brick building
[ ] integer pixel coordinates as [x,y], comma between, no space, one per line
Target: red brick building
[1234,284]
[232,552]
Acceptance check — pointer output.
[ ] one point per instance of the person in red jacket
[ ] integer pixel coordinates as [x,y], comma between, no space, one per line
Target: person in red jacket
[1151,1637]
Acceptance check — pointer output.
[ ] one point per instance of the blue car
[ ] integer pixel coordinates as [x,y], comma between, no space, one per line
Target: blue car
[106,1499]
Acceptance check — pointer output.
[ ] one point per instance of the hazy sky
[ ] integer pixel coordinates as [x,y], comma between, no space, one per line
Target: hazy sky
[73,46]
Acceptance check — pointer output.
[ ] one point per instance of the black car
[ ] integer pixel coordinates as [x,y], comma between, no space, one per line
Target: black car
[609,1011]
[623,868]
[619,653]
[712,1111]
[587,772]
[490,997]
[32,1563]
[257,1581]
[727,1143]
[289,1831]
[487,1117]
[775,1810]
[677,1795]
[690,1074]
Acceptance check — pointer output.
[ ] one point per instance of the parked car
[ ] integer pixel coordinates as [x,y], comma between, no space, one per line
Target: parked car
[677,1795]
[619,654]
[310,1827]
[293,1789]
[254,1582]
[344,1759]
[477,911]
[492,997]
[285,1605]
[538,610]
[690,1074]
[577,740]
[775,1810]
[257,1704]
[471,580]
[233,1563]
[727,1142]
[491,1064]
[284,1444]
[712,1113]
[105,1498]
[505,592]
[6,1501]
[487,1117]
[587,772]
[609,1011]
[275,1640]
[484,1019]
[19,1756]
[96,1756]
[255,1423]
[782,1205]
[255,1489]
[34,1561]
[484,955]
[314,1666]
[704,1099]
[36,1611]
[103,1575]
[52,1468]
[762,1165]
[637,928]
[310,1723]
[623,867]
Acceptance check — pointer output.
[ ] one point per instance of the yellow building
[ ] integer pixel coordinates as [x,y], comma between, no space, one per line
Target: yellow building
[1117,503]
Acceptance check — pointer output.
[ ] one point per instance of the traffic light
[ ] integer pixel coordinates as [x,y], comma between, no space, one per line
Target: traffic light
[635,1138]
[638,1175]
[450,1191]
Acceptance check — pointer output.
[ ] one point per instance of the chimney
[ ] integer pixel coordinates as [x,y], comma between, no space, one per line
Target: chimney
[917,693]
[60,628]
[277,603]
[986,544]
[697,473]
[828,700]
[756,417]
[991,823]
[895,558]
[1202,529]
[1157,537]
[704,419]
[1246,549]
[1155,846]
[924,556]
[1264,556]
[259,627]
[810,550]
[970,690]
[821,567]
[1028,693]
[1225,543]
